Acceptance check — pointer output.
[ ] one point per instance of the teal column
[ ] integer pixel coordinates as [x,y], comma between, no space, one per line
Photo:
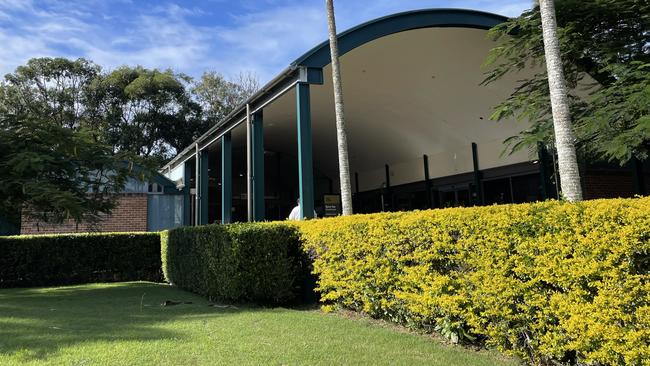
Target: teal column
[187,199]
[543,174]
[226,179]
[305,167]
[478,200]
[204,181]
[258,166]
[639,177]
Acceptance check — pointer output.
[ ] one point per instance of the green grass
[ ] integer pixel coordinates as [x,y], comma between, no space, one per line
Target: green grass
[124,324]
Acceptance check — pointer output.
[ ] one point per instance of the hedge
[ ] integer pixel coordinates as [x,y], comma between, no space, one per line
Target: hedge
[259,262]
[54,260]
[550,282]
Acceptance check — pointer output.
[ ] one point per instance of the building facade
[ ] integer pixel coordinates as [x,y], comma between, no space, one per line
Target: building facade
[152,205]
[419,132]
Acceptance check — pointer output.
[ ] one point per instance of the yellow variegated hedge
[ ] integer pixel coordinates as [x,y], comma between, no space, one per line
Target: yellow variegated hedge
[550,282]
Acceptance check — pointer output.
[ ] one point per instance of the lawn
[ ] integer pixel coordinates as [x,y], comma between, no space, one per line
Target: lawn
[125,324]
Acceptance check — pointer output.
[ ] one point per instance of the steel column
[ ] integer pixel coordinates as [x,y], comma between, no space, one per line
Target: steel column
[427,180]
[389,194]
[477,176]
[258,166]
[204,181]
[226,179]
[542,159]
[187,198]
[249,165]
[197,179]
[639,177]
[305,163]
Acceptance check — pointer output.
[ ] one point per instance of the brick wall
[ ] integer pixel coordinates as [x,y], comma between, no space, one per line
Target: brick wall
[604,184]
[130,214]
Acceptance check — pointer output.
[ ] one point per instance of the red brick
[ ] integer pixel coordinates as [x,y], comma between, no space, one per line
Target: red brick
[130,214]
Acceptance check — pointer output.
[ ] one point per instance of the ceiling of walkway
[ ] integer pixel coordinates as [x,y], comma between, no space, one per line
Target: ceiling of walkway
[408,94]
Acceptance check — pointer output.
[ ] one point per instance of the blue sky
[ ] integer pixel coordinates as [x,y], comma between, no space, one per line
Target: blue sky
[259,36]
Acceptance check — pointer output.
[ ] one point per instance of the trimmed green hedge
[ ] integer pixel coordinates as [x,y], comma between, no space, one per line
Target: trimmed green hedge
[552,282]
[258,262]
[54,260]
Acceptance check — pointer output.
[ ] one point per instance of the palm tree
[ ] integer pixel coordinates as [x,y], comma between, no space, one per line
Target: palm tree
[564,136]
[341,136]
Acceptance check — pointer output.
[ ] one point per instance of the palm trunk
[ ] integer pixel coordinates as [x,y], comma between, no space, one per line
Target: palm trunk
[564,136]
[341,135]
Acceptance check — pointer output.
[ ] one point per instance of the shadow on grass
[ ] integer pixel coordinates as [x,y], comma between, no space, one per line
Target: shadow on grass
[37,322]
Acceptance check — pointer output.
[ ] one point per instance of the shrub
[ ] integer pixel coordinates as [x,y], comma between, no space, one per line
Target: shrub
[549,282]
[53,260]
[258,262]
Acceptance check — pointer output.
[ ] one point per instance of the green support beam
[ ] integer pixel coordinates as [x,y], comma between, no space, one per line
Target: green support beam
[187,199]
[204,181]
[305,164]
[427,180]
[226,179]
[258,166]
[639,177]
[388,204]
[478,191]
[542,161]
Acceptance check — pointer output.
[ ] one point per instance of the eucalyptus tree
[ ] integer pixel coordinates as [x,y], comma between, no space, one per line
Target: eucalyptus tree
[148,112]
[219,96]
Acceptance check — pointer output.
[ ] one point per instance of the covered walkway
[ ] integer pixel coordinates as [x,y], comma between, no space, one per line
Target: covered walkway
[418,128]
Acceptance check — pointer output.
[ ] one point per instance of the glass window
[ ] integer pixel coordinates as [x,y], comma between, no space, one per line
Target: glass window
[497,191]
[526,188]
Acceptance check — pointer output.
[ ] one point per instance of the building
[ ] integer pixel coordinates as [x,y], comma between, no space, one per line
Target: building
[419,135]
[152,205]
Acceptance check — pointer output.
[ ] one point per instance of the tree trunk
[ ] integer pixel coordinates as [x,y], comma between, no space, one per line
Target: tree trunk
[564,136]
[341,135]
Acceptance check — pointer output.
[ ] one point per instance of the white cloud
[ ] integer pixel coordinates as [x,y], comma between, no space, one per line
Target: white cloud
[263,37]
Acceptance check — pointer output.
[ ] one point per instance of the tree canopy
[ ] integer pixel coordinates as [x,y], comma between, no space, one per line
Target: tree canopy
[606,59]
[219,96]
[147,112]
[71,135]
[56,172]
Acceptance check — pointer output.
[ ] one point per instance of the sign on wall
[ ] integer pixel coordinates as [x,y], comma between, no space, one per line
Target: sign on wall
[332,205]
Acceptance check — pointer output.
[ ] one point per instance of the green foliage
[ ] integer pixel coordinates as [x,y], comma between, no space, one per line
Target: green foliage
[236,263]
[55,172]
[147,112]
[51,89]
[551,282]
[72,135]
[218,96]
[606,40]
[144,112]
[52,260]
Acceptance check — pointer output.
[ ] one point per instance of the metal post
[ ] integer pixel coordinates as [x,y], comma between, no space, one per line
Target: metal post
[197,193]
[226,179]
[389,195]
[356,183]
[477,175]
[187,198]
[204,218]
[258,166]
[305,167]
[639,177]
[542,157]
[427,180]
[249,165]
